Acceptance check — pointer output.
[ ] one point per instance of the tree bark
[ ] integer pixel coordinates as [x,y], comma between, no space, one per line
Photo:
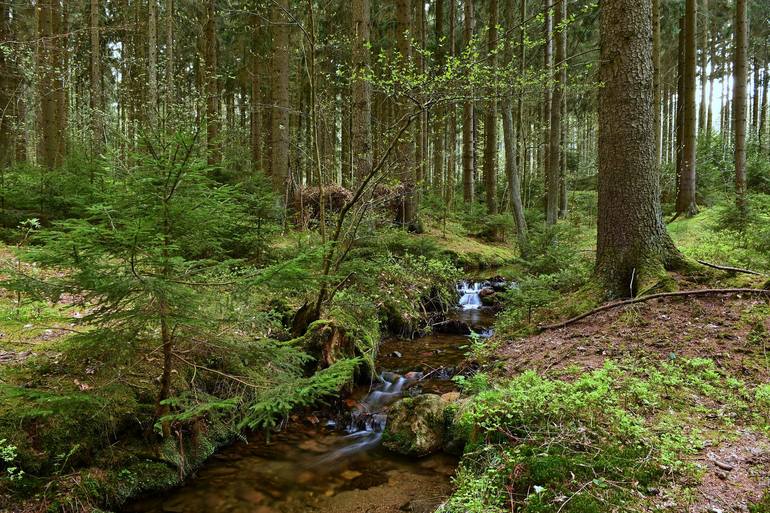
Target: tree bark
[633,246]
[550,202]
[169,85]
[468,115]
[255,109]
[212,86]
[740,80]
[405,154]
[361,134]
[279,148]
[704,45]
[554,131]
[97,104]
[490,121]
[685,202]
[452,145]
[437,115]
[656,83]
[152,64]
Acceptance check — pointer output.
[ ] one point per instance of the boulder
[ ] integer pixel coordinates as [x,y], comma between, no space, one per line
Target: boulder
[416,425]
[486,291]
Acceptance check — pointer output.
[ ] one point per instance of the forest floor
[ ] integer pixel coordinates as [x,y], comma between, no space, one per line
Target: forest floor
[730,456]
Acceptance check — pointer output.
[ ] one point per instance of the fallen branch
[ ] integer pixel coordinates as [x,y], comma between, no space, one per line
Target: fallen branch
[683,293]
[730,269]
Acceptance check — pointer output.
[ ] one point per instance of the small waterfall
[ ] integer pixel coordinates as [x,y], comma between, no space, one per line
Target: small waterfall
[469,291]
[368,419]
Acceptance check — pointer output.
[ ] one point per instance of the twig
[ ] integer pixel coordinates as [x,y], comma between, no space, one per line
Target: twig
[609,306]
[730,269]
[220,373]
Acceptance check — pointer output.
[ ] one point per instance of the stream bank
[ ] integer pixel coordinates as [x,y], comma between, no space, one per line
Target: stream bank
[334,461]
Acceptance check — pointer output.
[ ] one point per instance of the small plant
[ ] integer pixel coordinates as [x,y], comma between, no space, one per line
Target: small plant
[8,454]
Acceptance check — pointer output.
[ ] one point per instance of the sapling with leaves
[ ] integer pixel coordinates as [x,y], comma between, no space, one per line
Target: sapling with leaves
[143,260]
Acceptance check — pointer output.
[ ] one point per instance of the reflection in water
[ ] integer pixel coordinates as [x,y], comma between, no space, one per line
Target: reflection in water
[330,467]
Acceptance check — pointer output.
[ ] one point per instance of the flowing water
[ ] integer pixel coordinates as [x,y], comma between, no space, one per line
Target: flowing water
[336,464]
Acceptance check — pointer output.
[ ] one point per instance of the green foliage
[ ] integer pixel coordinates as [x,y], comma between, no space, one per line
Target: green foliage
[8,455]
[278,401]
[591,442]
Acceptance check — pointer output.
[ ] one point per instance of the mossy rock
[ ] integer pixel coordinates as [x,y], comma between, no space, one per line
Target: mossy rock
[416,425]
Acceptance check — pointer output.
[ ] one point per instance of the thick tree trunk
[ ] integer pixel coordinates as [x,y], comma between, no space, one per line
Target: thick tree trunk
[740,80]
[468,116]
[361,134]
[279,148]
[685,202]
[490,120]
[633,246]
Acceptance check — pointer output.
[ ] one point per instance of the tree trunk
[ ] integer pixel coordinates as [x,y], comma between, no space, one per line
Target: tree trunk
[550,201]
[279,148]
[255,109]
[468,115]
[97,105]
[763,136]
[169,92]
[452,146]
[212,86]
[405,154]
[490,121]
[740,80]
[152,64]
[704,45]
[438,121]
[685,202]
[656,86]
[554,131]
[633,246]
[361,135]
[755,99]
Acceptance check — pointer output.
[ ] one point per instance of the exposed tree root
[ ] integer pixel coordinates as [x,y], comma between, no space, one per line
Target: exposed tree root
[682,293]
[730,269]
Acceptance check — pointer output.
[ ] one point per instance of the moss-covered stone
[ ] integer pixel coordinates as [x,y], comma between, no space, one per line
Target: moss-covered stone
[416,425]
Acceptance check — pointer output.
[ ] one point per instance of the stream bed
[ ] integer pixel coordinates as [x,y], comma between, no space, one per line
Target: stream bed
[333,465]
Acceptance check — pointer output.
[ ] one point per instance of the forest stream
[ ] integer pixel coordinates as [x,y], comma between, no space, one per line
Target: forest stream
[337,464]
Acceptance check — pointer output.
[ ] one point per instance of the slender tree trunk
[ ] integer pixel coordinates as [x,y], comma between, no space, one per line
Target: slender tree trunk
[361,135]
[152,64]
[656,82]
[755,99]
[763,136]
[490,122]
[468,116]
[704,45]
[740,80]
[97,105]
[550,200]
[438,121]
[686,203]
[169,85]
[630,255]
[212,86]
[255,110]
[554,133]
[421,127]
[279,148]
[405,154]
[452,146]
